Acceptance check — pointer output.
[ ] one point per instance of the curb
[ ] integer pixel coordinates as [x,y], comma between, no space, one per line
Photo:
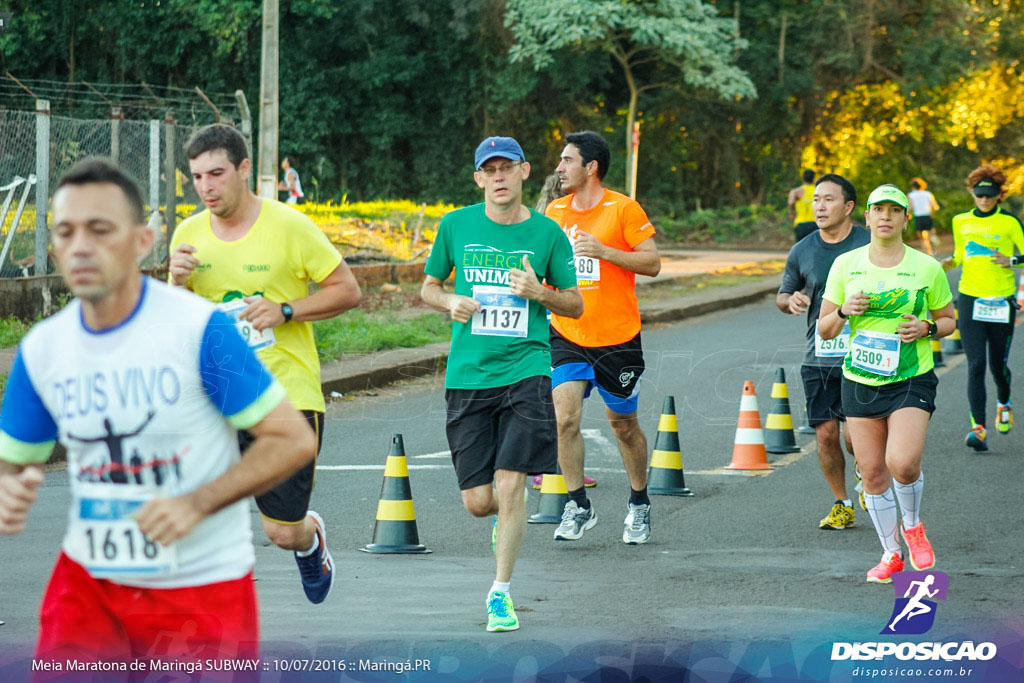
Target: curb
[374,371]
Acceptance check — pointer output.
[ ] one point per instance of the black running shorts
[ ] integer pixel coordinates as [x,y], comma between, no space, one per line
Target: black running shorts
[823,387]
[510,428]
[288,502]
[862,400]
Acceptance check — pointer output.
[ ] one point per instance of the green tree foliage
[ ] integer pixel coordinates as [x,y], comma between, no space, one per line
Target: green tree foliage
[388,98]
[669,43]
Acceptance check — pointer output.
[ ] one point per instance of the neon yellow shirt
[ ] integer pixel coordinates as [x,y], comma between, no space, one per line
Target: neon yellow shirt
[282,252]
[998,231]
[804,207]
[916,286]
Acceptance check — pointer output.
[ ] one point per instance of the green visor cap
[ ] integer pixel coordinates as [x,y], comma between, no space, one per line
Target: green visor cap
[888,193]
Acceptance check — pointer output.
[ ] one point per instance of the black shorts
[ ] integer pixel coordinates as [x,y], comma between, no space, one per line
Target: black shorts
[922,223]
[802,230]
[862,400]
[823,387]
[509,428]
[615,370]
[288,502]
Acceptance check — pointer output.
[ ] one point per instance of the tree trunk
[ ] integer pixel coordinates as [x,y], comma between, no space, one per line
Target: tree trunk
[782,50]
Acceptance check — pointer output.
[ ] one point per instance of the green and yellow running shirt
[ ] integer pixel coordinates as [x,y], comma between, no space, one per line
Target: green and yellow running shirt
[976,236]
[509,339]
[279,256]
[916,286]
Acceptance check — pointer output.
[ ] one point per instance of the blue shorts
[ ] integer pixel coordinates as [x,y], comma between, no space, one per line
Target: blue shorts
[614,370]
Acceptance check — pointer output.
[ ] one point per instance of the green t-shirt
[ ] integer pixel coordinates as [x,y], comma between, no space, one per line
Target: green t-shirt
[509,340]
[916,286]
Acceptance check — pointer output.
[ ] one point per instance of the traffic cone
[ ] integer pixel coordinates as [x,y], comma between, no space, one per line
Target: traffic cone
[937,354]
[778,425]
[748,452]
[395,531]
[953,343]
[665,476]
[806,427]
[553,497]
[1020,290]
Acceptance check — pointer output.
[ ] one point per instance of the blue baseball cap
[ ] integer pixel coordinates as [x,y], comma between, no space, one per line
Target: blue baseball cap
[495,146]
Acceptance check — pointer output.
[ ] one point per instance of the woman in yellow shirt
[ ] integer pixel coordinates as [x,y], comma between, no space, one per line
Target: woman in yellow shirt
[984,241]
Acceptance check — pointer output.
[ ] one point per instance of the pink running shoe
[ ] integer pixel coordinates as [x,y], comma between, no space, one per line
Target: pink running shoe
[536,479]
[921,554]
[883,571]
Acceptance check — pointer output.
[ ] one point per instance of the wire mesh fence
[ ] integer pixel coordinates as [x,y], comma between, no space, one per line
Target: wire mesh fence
[138,147]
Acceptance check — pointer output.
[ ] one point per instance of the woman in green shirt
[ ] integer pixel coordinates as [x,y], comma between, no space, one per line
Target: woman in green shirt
[894,298]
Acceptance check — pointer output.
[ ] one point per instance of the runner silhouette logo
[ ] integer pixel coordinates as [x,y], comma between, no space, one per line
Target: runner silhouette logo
[916,592]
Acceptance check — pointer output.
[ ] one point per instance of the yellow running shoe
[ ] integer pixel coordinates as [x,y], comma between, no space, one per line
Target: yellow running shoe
[1004,417]
[841,517]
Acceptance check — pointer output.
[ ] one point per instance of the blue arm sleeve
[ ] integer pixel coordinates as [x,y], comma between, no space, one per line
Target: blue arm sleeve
[233,377]
[27,429]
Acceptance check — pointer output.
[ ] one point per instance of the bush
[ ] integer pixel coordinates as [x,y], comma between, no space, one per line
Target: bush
[735,224]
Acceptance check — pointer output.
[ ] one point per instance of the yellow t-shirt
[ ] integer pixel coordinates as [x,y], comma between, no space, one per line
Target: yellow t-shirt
[804,207]
[282,252]
[994,232]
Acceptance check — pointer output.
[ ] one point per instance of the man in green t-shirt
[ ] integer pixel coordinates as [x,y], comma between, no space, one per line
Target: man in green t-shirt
[501,422]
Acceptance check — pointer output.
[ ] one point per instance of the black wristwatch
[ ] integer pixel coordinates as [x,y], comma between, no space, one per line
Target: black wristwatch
[839,312]
[933,328]
[287,312]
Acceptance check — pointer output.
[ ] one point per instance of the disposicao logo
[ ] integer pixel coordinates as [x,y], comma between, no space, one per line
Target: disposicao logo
[916,592]
[914,614]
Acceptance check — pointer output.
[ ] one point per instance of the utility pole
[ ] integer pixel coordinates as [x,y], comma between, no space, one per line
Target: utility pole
[267,153]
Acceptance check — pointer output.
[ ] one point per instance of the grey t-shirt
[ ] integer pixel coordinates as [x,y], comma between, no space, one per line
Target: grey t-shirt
[807,269]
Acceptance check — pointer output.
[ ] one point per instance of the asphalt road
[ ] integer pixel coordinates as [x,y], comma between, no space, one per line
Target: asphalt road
[737,580]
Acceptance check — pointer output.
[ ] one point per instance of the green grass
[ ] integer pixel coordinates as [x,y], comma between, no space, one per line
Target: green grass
[360,332]
[11,331]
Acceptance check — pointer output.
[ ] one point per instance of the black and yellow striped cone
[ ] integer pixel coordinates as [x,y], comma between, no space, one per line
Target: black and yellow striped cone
[395,531]
[665,476]
[937,354]
[553,497]
[953,345]
[778,425]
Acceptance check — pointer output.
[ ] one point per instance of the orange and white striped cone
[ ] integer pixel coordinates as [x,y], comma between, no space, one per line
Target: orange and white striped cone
[395,531]
[937,354]
[748,452]
[953,345]
[1020,290]
[778,425]
[553,496]
[665,476]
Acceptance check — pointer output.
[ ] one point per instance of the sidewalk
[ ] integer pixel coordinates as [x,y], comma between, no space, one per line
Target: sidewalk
[373,371]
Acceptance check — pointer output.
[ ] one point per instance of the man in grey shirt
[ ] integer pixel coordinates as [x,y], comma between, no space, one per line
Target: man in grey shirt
[803,283]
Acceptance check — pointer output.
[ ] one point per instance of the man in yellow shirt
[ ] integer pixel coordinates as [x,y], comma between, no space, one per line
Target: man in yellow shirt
[801,210]
[256,257]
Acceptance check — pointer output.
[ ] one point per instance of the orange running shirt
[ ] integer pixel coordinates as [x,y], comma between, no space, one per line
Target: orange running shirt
[610,311]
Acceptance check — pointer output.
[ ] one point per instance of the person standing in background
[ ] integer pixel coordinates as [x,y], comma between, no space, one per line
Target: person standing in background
[291,183]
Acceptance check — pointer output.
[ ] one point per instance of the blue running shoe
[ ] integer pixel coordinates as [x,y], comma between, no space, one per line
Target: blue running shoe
[317,570]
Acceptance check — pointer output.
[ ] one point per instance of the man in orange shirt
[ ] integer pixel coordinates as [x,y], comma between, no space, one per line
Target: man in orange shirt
[612,241]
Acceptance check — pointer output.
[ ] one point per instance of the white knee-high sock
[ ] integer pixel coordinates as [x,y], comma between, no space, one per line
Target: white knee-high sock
[909,497]
[882,509]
